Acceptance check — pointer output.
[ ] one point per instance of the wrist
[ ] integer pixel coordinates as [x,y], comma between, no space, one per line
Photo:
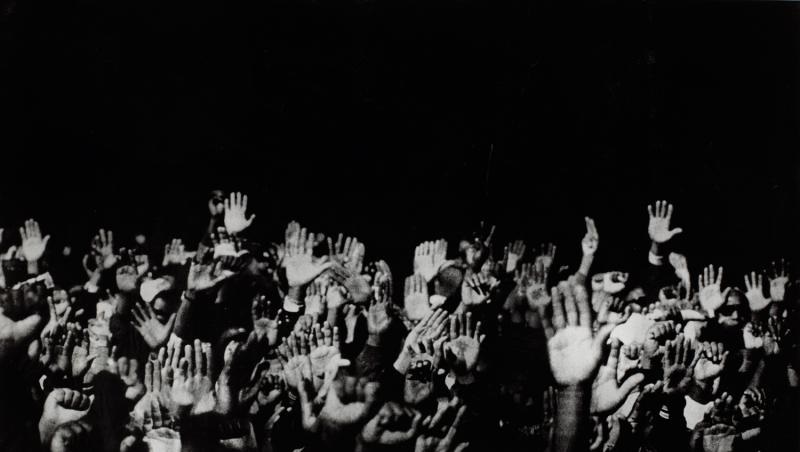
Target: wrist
[374,340]
[402,363]
[33,267]
[296,293]
[586,264]
[189,295]
[466,379]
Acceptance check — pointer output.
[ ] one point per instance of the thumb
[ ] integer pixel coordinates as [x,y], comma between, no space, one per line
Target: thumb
[675,232]
[250,220]
[46,239]
[171,321]
[631,383]
[602,337]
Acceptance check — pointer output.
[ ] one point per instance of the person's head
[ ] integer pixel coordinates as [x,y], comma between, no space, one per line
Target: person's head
[60,301]
[448,281]
[161,295]
[734,311]
[216,202]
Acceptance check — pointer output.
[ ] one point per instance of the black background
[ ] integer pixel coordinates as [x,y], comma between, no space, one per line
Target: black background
[400,121]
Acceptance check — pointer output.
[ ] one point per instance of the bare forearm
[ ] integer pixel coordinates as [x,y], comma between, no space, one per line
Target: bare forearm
[571,432]
[184,315]
[586,265]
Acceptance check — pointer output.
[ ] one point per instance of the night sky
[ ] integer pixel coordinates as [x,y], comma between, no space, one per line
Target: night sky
[400,121]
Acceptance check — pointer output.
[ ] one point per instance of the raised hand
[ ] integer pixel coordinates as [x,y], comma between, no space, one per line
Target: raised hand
[293,353]
[776,336]
[514,252]
[315,298]
[658,227]
[33,244]
[545,257]
[206,276]
[174,253]
[711,361]
[463,349]
[475,290]
[439,430]
[348,253]
[394,424]
[658,333]
[779,277]
[431,328]
[324,347]
[55,322]
[613,311]
[192,390]
[235,208]
[382,282]
[154,333]
[429,258]
[378,321]
[573,349]
[80,359]
[678,262]
[679,362]
[536,291]
[723,410]
[158,426]
[60,407]
[235,395]
[424,361]
[301,267]
[127,370]
[711,298]
[755,292]
[264,325]
[103,249]
[607,394]
[516,301]
[72,436]
[648,400]
[415,301]
[752,405]
[356,285]
[752,338]
[591,240]
[348,402]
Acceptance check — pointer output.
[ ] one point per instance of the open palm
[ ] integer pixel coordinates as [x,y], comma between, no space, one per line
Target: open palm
[573,355]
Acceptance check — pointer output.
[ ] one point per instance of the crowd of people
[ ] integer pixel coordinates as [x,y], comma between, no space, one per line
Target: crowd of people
[309,343]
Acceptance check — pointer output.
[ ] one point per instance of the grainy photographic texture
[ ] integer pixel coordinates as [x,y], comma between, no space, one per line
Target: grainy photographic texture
[388,225]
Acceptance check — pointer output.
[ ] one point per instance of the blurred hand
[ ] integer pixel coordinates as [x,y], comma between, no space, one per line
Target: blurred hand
[679,362]
[658,227]
[463,349]
[235,208]
[154,333]
[439,430]
[574,350]
[778,280]
[755,292]
[591,240]
[710,296]
[429,257]
[60,407]
[301,267]
[33,244]
[514,252]
[394,424]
